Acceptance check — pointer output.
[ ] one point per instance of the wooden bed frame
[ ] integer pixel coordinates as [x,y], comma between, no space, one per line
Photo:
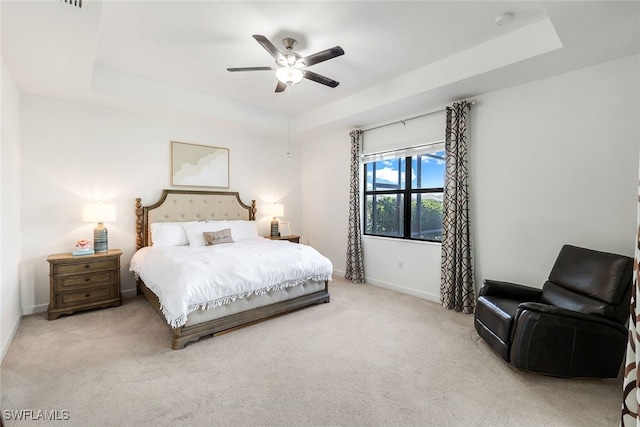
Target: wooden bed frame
[190,205]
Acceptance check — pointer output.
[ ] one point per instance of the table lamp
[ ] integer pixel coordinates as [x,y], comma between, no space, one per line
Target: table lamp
[100,213]
[274,210]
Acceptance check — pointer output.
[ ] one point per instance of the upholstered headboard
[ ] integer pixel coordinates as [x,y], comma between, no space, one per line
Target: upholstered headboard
[190,205]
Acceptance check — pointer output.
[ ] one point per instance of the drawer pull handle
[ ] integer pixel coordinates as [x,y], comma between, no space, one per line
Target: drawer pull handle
[86,279]
[87,266]
[87,295]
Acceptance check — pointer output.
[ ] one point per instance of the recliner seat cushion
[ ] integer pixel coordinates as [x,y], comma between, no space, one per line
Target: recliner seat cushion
[497,315]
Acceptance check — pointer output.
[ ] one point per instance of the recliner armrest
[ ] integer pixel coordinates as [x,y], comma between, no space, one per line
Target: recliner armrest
[510,290]
[559,311]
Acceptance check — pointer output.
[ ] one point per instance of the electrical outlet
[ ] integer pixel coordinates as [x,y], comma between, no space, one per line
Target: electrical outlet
[400,264]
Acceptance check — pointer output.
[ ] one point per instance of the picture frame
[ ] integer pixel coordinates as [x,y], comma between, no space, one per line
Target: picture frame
[285,228]
[199,165]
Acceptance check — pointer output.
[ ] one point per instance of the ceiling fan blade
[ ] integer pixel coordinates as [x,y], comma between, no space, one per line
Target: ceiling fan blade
[281,87]
[269,47]
[319,79]
[322,56]
[250,69]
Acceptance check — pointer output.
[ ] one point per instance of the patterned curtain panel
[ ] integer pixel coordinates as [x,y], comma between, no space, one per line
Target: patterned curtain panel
[630,384]
[456,288]
[355,258]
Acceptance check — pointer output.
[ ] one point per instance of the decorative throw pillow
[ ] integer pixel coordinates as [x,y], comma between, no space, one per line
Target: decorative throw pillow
[218,237]
[194,231]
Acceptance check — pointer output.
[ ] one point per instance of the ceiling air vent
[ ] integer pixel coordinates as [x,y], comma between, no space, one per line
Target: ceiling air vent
[75,3]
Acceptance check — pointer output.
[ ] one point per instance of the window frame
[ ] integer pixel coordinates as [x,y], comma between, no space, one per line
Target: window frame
[406,193]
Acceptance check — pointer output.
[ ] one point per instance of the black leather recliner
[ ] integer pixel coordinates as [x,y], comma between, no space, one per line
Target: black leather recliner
[575,326]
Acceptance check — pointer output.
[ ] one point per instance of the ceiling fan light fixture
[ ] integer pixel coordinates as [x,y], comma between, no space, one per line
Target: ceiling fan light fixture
[292,59]
[290,65]
[288,75]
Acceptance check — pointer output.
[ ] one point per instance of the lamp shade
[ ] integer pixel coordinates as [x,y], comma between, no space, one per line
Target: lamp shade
[274,209]
[99,212]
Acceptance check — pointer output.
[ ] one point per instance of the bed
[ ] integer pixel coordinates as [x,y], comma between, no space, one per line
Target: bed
[280,290]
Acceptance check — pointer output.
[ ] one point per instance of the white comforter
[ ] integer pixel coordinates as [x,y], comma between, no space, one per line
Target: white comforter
[186,278]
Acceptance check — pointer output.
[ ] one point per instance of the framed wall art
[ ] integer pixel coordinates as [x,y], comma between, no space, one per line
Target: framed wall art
[199,165]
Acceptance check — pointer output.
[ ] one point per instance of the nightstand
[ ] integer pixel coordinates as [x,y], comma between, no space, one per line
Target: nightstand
[83,282]
[292,238]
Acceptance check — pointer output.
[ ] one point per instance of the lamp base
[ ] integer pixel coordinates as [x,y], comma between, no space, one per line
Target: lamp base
[100,238]
[274,228]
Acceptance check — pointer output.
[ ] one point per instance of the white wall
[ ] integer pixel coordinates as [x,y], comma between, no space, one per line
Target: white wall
[10,306]
[75,153]
[325,196]
[553,161]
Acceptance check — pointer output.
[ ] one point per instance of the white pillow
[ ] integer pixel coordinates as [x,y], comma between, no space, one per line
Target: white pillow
[165,234]
[243,230]
[194,231]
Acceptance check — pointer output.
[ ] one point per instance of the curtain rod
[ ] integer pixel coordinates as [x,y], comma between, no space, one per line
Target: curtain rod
[472,102]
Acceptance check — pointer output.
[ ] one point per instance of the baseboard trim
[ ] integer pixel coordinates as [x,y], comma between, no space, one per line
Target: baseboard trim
[404,290]
[40,308]
[6,345]
[397,288]
[130,293]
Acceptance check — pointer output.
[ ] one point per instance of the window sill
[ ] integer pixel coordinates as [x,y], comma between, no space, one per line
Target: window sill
[394,239]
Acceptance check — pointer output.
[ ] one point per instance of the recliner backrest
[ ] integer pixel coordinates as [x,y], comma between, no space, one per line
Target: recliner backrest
[590,282]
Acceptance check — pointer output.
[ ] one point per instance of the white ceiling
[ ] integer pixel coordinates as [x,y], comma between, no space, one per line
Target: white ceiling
[170,57]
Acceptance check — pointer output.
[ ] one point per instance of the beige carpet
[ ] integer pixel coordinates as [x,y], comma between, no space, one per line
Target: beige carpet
[372,357]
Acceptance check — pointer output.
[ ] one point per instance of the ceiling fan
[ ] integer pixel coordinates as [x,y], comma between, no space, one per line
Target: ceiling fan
[290,65]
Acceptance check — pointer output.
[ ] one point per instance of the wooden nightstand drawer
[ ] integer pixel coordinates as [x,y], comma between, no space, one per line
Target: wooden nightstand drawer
[85,267]
[80,281]
[83,282]
[87,296]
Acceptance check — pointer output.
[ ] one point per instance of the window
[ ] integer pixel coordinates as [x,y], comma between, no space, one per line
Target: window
[403,193]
